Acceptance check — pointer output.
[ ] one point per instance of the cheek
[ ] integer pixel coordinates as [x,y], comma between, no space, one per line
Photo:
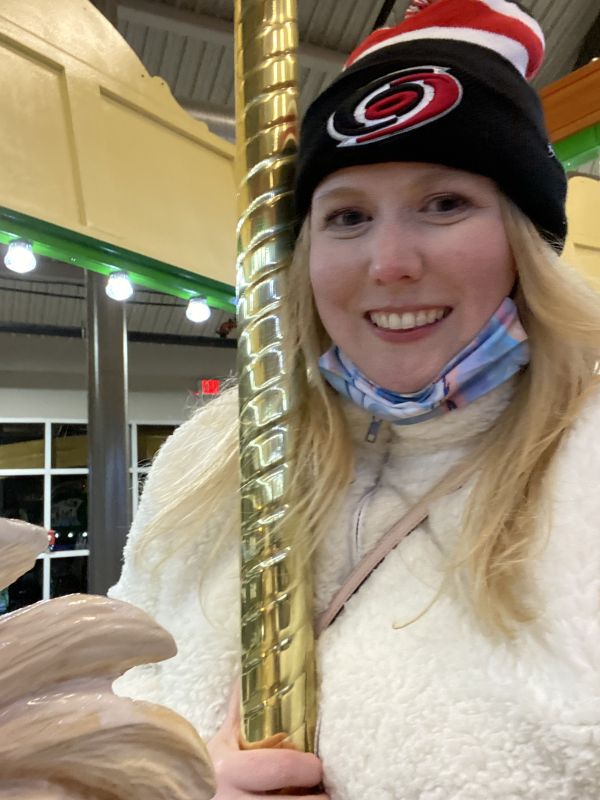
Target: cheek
[331,282]
[499,273]
[485,265]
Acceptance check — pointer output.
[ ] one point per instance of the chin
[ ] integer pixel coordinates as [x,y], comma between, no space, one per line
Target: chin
[403,387]
[404,381]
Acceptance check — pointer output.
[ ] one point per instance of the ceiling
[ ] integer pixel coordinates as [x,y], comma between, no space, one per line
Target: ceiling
[190,44]
[52,301]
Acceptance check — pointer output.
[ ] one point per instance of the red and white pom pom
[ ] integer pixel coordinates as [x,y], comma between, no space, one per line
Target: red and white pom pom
[416,6]
[497,25]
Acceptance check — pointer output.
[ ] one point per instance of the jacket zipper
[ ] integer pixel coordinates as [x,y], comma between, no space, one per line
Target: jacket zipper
[373,430]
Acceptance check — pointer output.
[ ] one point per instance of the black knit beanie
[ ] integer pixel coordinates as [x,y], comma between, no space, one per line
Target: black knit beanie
[446,86]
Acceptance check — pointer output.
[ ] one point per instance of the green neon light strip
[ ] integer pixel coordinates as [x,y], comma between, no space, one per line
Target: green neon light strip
[83,251]
[579,148]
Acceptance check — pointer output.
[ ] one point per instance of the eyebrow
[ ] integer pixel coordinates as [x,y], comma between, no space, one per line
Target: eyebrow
[344,190]
[426,179]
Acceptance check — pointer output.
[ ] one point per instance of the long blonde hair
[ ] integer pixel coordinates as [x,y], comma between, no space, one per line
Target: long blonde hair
[561,315]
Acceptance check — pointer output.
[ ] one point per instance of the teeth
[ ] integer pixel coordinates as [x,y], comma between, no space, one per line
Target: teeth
[407,320]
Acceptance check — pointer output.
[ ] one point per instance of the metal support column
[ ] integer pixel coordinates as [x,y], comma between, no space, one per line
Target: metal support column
[108,487]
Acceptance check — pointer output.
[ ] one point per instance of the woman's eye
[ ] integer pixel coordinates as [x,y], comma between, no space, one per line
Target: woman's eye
[345,218]
[447,204]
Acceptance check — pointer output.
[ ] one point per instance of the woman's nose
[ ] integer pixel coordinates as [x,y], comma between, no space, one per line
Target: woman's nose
[395,255]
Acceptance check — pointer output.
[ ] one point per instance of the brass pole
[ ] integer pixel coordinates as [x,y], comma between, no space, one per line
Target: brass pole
[278,673]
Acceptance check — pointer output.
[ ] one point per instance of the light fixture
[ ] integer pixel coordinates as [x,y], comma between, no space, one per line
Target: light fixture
[19,256]
[197,310]
[118,286]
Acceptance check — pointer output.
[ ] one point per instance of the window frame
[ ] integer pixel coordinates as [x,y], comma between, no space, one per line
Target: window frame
[47,471]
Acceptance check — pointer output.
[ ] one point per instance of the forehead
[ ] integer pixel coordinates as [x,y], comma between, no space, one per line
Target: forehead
[399,176]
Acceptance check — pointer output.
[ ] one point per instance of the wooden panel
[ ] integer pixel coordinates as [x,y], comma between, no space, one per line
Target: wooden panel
[92,144]
[174,194]
[582,249]
[36,123]
[573,103]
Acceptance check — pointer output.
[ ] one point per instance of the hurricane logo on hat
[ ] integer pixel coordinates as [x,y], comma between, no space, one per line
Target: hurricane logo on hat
[395,103]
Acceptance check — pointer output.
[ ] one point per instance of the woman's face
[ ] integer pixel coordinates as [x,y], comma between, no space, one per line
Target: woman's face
[407,263]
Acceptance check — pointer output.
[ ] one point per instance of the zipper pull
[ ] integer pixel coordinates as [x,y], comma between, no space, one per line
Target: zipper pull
[373,430]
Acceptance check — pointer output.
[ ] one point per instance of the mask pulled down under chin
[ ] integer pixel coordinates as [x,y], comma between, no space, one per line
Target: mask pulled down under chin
[494,355]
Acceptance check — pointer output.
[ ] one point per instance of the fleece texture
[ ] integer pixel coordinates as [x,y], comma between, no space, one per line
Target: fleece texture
[431,710]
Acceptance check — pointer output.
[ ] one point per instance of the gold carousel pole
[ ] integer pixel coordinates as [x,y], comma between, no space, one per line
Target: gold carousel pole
[278,673]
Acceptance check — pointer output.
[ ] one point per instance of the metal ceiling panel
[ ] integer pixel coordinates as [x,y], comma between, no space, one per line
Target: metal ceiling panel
[222,9]
[565,26]
[334,25]
[40,301]
[190,42]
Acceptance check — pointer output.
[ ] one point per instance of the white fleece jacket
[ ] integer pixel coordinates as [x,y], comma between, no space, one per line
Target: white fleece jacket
[434,710]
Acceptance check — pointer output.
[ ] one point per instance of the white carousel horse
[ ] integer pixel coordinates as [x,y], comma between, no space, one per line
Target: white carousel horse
[64,735]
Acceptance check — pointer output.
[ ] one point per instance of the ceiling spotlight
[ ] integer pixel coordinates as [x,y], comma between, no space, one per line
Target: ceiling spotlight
[197,310]
[119,286]
[19,256]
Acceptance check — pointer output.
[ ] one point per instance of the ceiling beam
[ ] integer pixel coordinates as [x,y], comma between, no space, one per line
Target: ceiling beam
[76,332]
[206,28]
[590,47]
[220,121]
[384,12]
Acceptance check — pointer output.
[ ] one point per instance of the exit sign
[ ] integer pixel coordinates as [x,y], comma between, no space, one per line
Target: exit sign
[210,385]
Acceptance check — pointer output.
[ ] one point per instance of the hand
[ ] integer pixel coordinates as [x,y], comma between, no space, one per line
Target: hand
[252,774]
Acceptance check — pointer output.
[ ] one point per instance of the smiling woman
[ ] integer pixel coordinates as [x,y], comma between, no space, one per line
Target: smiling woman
[392,245]
[446,345]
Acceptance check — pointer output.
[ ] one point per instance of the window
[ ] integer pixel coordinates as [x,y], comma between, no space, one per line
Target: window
[21,445]
[44,480]
[69,445]
[22,497]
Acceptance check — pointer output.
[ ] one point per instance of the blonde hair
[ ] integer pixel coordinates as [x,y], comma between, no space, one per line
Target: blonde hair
[561,315]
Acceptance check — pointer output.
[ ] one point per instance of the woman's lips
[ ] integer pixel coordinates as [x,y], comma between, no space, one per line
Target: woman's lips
[390,318]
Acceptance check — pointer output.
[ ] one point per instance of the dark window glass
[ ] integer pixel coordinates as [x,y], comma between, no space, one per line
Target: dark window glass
[150,438]
[25,590]
[22,497]
[141,483]
[68,512]
[21,445]
[68,575]
[69,445]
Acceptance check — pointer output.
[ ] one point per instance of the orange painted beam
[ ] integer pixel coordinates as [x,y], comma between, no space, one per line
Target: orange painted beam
[573,103]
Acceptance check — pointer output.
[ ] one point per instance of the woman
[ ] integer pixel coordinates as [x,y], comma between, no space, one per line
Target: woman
[444,340]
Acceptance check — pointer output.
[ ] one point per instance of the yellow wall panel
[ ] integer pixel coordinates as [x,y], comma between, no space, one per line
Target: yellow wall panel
[582,249]
[36,123]
[583,211]
[92,144]
[145,155]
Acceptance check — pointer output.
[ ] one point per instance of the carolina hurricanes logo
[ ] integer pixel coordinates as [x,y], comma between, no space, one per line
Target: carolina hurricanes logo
[396,103]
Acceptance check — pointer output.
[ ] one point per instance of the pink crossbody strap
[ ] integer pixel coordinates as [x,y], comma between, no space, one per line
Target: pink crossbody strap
[371,560]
